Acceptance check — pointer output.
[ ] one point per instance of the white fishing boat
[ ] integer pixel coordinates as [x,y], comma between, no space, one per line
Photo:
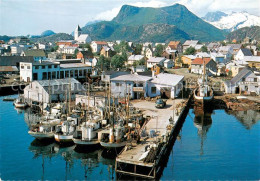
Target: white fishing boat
[87,133]
[20,103]
[44,130]
[204,93]
[64,131]
[115,137]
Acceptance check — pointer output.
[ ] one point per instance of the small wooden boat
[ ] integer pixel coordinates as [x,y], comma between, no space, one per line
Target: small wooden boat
[20,103]
[44,130]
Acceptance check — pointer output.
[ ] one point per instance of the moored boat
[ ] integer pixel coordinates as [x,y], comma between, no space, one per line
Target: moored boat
[204,93]
[44,130]
[20,103]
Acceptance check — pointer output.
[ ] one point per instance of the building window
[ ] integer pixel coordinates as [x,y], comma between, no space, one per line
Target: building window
[243,79]
[35,76]
[118,84]
[55,66]
[36,67]
[49,75]
[43,67]
[44,76]
[28,67]
[22,67]
[49,66]
[53,75]
[255,79]
[153,90]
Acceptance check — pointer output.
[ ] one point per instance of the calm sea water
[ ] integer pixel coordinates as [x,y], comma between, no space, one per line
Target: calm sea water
[223,147]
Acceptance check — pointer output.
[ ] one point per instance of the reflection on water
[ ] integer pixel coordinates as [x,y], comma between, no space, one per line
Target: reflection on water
[202,121]
[223,144]
[247,118]
[89,160]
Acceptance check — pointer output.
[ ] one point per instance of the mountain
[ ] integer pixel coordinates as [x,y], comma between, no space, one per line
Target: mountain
[240,34]
[53,38]
[47,33]
[154,24]
[214,16]
[233,21]
[92,22]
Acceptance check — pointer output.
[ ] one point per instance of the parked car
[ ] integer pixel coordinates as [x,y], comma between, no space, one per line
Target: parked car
[160,103]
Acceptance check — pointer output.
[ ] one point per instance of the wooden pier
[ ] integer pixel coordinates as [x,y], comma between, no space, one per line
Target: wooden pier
[134,160]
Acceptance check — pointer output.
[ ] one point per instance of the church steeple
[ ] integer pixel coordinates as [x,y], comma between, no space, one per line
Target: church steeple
[77,32]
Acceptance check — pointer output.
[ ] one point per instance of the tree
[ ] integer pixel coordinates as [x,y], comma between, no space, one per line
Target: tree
[190,51]
[54,49]
[139,62]
[204,48]
[158,50]
[103,63]
[138,49]
[117,61]
[122,47]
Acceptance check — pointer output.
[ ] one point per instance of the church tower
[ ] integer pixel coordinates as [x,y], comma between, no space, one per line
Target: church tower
[77,32]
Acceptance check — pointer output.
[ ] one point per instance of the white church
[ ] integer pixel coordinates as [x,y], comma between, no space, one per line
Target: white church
[81,38]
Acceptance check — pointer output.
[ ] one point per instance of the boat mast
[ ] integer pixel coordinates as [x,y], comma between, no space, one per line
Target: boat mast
[69,94]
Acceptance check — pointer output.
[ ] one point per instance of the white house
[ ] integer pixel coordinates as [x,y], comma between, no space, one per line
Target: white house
[148,53]
[168,64]
[242,53]
[165,85]
[155,60]
[131,84]
[52,90]
[97,45]
[36,54]
[246,81]
[81,38]
[68,50]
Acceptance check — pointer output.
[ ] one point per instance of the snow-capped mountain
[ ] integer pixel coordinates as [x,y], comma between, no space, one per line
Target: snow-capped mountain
[235,21]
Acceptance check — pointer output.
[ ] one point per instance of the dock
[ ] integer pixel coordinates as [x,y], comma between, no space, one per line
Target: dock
[136,160]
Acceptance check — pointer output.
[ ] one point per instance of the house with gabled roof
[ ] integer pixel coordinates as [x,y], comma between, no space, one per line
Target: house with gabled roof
[80,37]
[197,66]
[245,82]
[242,53]
[36,54]
[189,43]
[97,45]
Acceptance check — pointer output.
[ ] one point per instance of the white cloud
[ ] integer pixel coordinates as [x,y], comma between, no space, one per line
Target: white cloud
[201,7]
[110,14]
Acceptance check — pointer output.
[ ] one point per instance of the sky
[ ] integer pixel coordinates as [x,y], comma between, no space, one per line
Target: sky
[32,17]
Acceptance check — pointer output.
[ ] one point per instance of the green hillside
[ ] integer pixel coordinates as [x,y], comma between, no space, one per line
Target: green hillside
[153,24]
[240,34]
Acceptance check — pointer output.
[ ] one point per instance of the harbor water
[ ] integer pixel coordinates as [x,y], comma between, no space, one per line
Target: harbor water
[219,146]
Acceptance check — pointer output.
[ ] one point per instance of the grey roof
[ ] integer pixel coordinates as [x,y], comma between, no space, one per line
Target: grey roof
[240,75]
[156,59]
[14,60]
[132,77]
[167,79]
[35,53]
[146,73]
[235,46]
[58,86]
[246,52]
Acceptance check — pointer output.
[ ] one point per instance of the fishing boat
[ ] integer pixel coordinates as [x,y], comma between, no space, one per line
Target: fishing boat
[64,131]
[44,130]
[115,137]
[20,103]
[87,134]
[204,93]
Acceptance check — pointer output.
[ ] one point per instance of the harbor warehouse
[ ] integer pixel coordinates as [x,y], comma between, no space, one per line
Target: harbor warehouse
[52,90]
[165,85]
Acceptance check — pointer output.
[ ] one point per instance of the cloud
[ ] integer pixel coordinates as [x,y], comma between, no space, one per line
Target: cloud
[110,14]
[201,7]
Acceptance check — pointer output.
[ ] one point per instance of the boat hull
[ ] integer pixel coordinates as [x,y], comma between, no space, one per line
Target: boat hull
[112,145]
[84,142]
[20,105]
[63,139]
[41,136]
